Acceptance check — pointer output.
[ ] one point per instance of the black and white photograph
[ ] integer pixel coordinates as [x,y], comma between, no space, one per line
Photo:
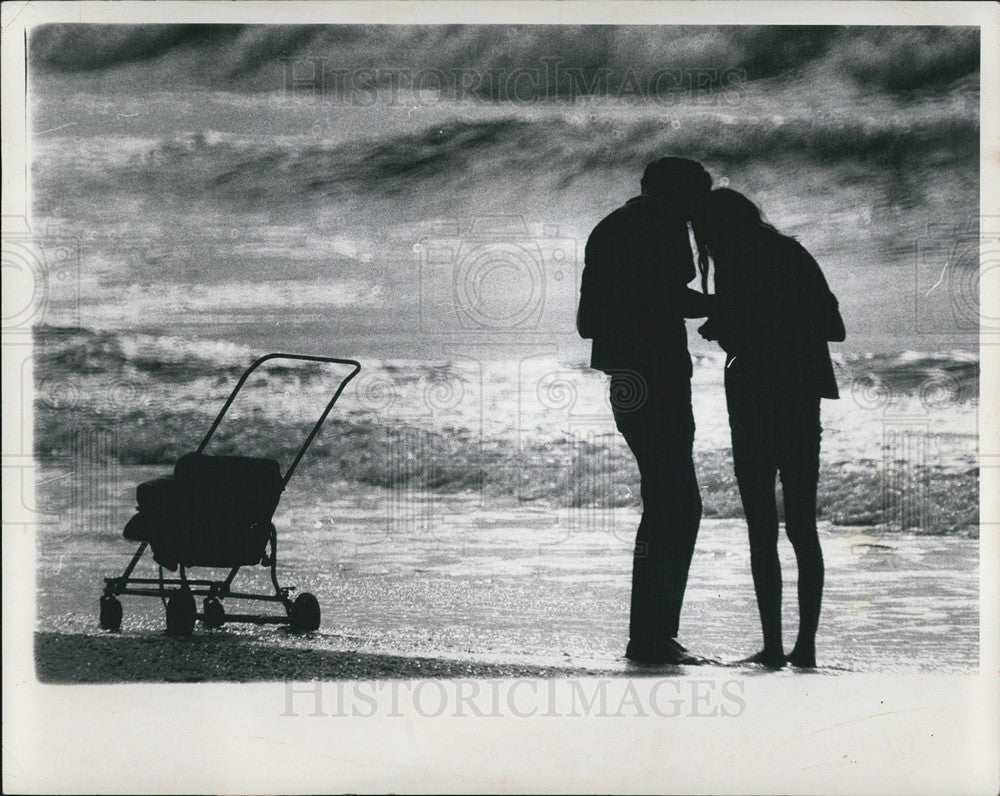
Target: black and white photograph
[469,373]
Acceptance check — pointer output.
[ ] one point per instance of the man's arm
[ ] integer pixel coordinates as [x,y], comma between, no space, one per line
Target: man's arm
[588,320]
[585,317]
[695,304]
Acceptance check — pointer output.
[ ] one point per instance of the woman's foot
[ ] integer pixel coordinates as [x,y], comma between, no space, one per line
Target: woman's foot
[772,659]
[803,659]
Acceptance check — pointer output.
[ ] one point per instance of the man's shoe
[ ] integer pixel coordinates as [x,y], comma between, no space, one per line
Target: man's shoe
[645,653]
[671,653]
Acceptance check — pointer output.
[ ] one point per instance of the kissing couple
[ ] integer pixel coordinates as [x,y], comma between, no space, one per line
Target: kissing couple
[773,314]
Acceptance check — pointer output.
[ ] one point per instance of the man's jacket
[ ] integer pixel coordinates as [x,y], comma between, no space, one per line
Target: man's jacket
[634,295]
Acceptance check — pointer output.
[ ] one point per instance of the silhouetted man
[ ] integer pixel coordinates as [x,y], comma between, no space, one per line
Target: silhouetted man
[633,302]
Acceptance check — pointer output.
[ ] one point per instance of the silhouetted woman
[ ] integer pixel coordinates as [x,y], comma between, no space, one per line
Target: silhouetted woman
[775,314]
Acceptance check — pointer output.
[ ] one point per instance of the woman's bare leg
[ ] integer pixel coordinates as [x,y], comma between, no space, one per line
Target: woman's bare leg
[799,478]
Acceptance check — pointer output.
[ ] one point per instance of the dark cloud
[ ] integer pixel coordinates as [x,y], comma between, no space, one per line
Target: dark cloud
[250,58]
[71,48]
[902,59]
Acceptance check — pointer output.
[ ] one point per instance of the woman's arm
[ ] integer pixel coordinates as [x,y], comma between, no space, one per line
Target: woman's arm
[835,331]
[827,308]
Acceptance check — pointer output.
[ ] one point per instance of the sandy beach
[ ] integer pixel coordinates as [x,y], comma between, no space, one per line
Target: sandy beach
[81,658]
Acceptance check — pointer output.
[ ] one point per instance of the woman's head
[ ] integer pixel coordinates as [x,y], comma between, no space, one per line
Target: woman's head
[730,222]
[729,208]
[732,219]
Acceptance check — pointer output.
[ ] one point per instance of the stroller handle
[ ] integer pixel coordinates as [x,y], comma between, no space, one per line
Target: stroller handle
[315,429]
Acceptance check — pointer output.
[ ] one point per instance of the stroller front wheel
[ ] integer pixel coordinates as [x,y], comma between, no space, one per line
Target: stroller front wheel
[181,613]
[111,612]
[304,613]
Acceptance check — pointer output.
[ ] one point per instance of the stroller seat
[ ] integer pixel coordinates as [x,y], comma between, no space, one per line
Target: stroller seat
[214,511]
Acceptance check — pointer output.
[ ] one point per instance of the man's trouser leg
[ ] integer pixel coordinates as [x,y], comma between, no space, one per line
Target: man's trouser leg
[660,434]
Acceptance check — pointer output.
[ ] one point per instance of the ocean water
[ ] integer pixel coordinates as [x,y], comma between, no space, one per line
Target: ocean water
[899,450]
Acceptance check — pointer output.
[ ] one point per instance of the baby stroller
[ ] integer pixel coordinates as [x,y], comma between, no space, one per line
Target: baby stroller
[214,511]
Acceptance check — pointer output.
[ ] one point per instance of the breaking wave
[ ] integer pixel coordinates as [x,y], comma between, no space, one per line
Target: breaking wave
[154,398]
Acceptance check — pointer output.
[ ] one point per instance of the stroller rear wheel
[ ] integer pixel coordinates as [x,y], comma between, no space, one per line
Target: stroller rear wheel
[181,613]
[215,614]
[304,613]
[111,612]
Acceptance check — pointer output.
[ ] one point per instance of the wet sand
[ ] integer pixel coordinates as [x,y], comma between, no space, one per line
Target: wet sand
[79,658]
[450,587]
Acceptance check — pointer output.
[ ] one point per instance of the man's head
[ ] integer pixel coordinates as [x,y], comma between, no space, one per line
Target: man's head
[681,183]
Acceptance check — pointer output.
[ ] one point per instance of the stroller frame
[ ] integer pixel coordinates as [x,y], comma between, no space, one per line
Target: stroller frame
[178,593]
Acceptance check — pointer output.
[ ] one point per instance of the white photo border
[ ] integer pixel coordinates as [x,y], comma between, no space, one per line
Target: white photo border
[850,733]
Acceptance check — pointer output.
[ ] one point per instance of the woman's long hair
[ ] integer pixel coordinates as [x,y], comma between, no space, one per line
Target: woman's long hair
[729,218]
[703,255]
